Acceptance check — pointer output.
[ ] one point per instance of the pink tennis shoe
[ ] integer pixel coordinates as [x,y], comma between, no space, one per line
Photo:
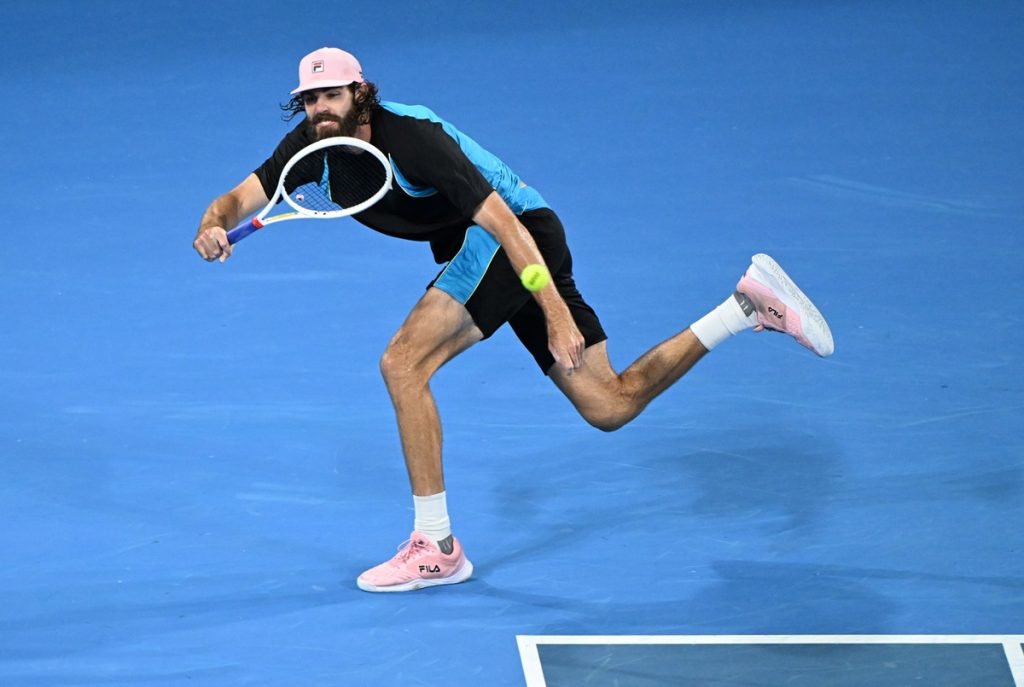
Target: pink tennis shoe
[782,307]
[419,563]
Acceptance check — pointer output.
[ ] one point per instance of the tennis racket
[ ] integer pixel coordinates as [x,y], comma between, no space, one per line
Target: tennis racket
[335,177]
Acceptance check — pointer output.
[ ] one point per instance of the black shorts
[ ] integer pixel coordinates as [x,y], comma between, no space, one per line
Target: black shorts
[481,277]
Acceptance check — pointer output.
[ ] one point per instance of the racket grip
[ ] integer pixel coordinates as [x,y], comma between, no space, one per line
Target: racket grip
[243,230]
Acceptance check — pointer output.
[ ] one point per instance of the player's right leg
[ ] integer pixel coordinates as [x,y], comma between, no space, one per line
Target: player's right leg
[474,295]
[437,330]
[419,563]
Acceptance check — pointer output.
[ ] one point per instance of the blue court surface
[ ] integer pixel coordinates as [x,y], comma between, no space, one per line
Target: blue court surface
[197,460]
[781,661]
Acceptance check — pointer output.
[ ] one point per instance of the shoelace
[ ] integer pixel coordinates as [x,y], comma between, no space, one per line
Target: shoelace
[411,547]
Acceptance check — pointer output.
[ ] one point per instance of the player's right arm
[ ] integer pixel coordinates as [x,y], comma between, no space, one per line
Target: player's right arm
[226,211]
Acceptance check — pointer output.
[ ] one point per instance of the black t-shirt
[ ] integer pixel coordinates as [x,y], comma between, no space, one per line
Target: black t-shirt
[440,177]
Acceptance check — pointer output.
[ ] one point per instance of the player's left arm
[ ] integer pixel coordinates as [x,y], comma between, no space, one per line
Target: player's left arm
[564,338]
[430,156]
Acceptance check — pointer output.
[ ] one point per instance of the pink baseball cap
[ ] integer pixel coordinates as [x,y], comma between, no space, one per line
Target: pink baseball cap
[328,68]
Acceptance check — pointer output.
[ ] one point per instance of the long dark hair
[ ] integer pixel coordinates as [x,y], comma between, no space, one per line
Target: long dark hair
[364,97]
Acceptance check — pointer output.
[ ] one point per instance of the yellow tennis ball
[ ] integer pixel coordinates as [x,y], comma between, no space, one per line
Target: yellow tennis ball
[535,277]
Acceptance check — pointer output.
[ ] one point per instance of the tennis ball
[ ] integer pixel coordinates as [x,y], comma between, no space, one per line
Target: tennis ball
[535,277]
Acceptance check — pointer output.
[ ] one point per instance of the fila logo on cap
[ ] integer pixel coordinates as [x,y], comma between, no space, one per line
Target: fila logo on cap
[318,66]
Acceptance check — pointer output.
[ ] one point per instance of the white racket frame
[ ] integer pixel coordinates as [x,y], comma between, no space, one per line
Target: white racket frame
[301,212]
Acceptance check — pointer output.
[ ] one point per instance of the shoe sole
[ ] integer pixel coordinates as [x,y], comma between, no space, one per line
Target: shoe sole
[815,328]
[460,575]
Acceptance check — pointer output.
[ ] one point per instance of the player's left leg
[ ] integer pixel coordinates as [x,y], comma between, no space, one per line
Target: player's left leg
[765,298]
[607,399]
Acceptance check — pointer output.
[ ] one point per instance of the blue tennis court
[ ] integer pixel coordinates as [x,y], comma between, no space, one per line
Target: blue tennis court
[197,460]
[774,661]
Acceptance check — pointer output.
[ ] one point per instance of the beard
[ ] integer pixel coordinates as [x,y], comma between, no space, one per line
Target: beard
[342,126]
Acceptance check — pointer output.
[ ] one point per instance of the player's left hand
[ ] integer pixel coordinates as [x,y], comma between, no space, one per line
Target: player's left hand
[566,343]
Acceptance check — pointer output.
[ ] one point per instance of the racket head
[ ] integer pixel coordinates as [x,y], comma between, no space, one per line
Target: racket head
[335,177]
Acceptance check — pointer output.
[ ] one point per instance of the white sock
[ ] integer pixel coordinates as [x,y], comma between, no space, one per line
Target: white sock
[722,322]
[431,516]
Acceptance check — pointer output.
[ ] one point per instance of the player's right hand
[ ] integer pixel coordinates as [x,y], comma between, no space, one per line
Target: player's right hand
[212,244]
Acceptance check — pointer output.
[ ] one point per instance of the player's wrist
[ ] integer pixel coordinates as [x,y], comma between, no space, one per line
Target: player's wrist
[556,312]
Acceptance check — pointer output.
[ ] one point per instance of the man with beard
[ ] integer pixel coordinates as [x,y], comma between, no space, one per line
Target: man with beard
[486,225]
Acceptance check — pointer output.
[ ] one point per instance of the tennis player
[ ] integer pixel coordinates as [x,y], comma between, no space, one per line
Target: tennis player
[485,225]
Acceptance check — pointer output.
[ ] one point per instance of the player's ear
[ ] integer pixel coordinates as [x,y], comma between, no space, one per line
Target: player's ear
[363,96]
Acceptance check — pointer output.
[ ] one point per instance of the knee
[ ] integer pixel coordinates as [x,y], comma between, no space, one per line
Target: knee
[606,421]
[399,366]
[611,414]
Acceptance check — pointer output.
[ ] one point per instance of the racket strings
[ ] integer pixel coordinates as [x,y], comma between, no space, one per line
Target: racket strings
[308,186]
[353,175]
[335,178]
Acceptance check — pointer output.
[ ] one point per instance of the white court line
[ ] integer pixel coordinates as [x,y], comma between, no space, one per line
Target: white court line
[1015,656]
[534,672]
[773,639]
[531,661]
